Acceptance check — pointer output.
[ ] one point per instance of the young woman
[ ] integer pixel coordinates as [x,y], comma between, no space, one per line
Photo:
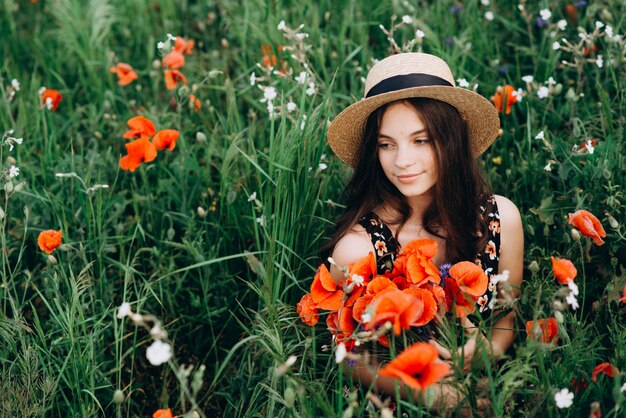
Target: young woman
[413,143]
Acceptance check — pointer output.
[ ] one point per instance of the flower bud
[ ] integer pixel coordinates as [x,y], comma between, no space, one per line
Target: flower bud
[201,137]
[290,397]
[575,234]
[533,266]
[559,317]
[612,221]
[201,212]
[118,397]
[52,260]
[595,306]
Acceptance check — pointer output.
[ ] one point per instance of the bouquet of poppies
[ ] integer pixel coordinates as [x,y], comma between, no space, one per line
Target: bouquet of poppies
[364,305]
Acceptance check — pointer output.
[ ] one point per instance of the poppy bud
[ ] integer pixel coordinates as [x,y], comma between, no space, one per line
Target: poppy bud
[52,260]
[575,235]
[559,317]
[533,266]
[118,397]
[201,212]
[612,221]
[11,160]
[558,306]
[201,137]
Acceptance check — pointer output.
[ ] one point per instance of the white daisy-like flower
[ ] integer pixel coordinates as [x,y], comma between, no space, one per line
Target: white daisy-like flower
[407,19]
[462,82]
[291,106]
[528,78]
[545,14]
[322,167]
[159,353]
[366,317]
[160,45]
[518,94]
[551,81]
[484,2]
[358,280]
[540,135]
[609,31]
[599,25]
[171,37]
[281,25]
[18,141]
[15,84]
[261,220]
[14,171]
[340,352]
[572,286]
[564,398]
[556,45]
[303,122]
[269,93]
[561,24]
[599,61]
[543,92]
[623,388]
[252,79]
[301,78]
[252,197]
[49,103]
[420,34]
[124,310]
[489,15]
[572,301]
[548,166]
[311,90]
[589,146]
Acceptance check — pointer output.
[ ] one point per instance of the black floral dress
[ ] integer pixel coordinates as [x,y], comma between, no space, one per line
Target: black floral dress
[386,248]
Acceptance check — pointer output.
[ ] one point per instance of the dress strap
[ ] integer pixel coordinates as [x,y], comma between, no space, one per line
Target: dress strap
[385,244]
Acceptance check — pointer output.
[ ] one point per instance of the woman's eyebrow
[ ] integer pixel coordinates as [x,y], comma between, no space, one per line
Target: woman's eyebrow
[421,131]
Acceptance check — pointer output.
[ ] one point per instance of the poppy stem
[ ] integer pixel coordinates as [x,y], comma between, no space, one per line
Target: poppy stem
[584,279]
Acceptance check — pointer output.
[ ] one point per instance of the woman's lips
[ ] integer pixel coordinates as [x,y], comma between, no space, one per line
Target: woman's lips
[407,178]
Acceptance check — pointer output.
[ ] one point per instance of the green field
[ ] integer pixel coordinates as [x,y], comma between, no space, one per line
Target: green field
[215,241]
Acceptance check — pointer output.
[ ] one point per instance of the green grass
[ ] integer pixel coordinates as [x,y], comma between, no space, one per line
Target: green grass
[224,286]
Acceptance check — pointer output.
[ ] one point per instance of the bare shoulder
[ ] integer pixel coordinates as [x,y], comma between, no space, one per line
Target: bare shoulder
[351,247]
[511,239]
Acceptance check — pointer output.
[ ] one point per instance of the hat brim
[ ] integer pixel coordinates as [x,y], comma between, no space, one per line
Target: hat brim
[345,132]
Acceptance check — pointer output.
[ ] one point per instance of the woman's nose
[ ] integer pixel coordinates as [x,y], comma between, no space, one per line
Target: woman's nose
[404,158]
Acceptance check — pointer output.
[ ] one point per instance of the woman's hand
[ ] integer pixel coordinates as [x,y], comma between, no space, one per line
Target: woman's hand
[466,353]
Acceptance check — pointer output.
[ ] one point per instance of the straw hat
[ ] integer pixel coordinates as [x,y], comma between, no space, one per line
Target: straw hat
[408,75]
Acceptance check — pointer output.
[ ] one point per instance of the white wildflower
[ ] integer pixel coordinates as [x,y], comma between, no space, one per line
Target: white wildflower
[311,90]
[291,106]
[548,166]
[303,122]
[160,45]
[571,300]
[15,84]
[252,79]
[564,398]
[540,135]
[366,317]
[599,61]
[281,25]
[252,197]
[322,167]
[301,79]
[261,220]
[340,353]
[300,36]
[609,31]
[419,34]
[589,146]
[545,14]
[49,103]
[551,81]
[484,2]
[489,15]
[528,78]
[462,82]
[518,94]
[623,388]
[14,171]
[18,141]
[291,360]
[159,353]
[124,310]
[572,286]
[407,19]
[269,94]
[358,280]
[562,24]
[501,278]
[599,25]
[157,332]
[556,45]
[543,92]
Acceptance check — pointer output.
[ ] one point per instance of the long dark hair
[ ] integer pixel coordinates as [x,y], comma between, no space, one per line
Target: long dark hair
[454,213]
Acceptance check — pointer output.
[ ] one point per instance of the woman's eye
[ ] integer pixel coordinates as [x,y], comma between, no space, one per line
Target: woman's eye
[383,146]
[421,141]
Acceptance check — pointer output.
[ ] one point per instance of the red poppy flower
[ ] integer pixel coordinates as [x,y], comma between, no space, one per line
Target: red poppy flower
[504,95]
[139,151]
[588,225]
[195,103]
[606,368]
[623,298]
[125,73]
[378,285]
[397,307]
[175,60]
[307,311]
[462,303]
[563,269]
[49,240]
[420,268]
[418,366]
[341,325]
[470,278]
[172,77]
[429,305]
[325,292]
[51,99]
[166,139]
[549,330]
[184,46]
[140,127]
[163,413]
[365,267]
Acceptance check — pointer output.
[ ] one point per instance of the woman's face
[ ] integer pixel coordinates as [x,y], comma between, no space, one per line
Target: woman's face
[405,151]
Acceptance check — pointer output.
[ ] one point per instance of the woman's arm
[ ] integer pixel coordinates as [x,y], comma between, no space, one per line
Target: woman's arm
[350,248]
